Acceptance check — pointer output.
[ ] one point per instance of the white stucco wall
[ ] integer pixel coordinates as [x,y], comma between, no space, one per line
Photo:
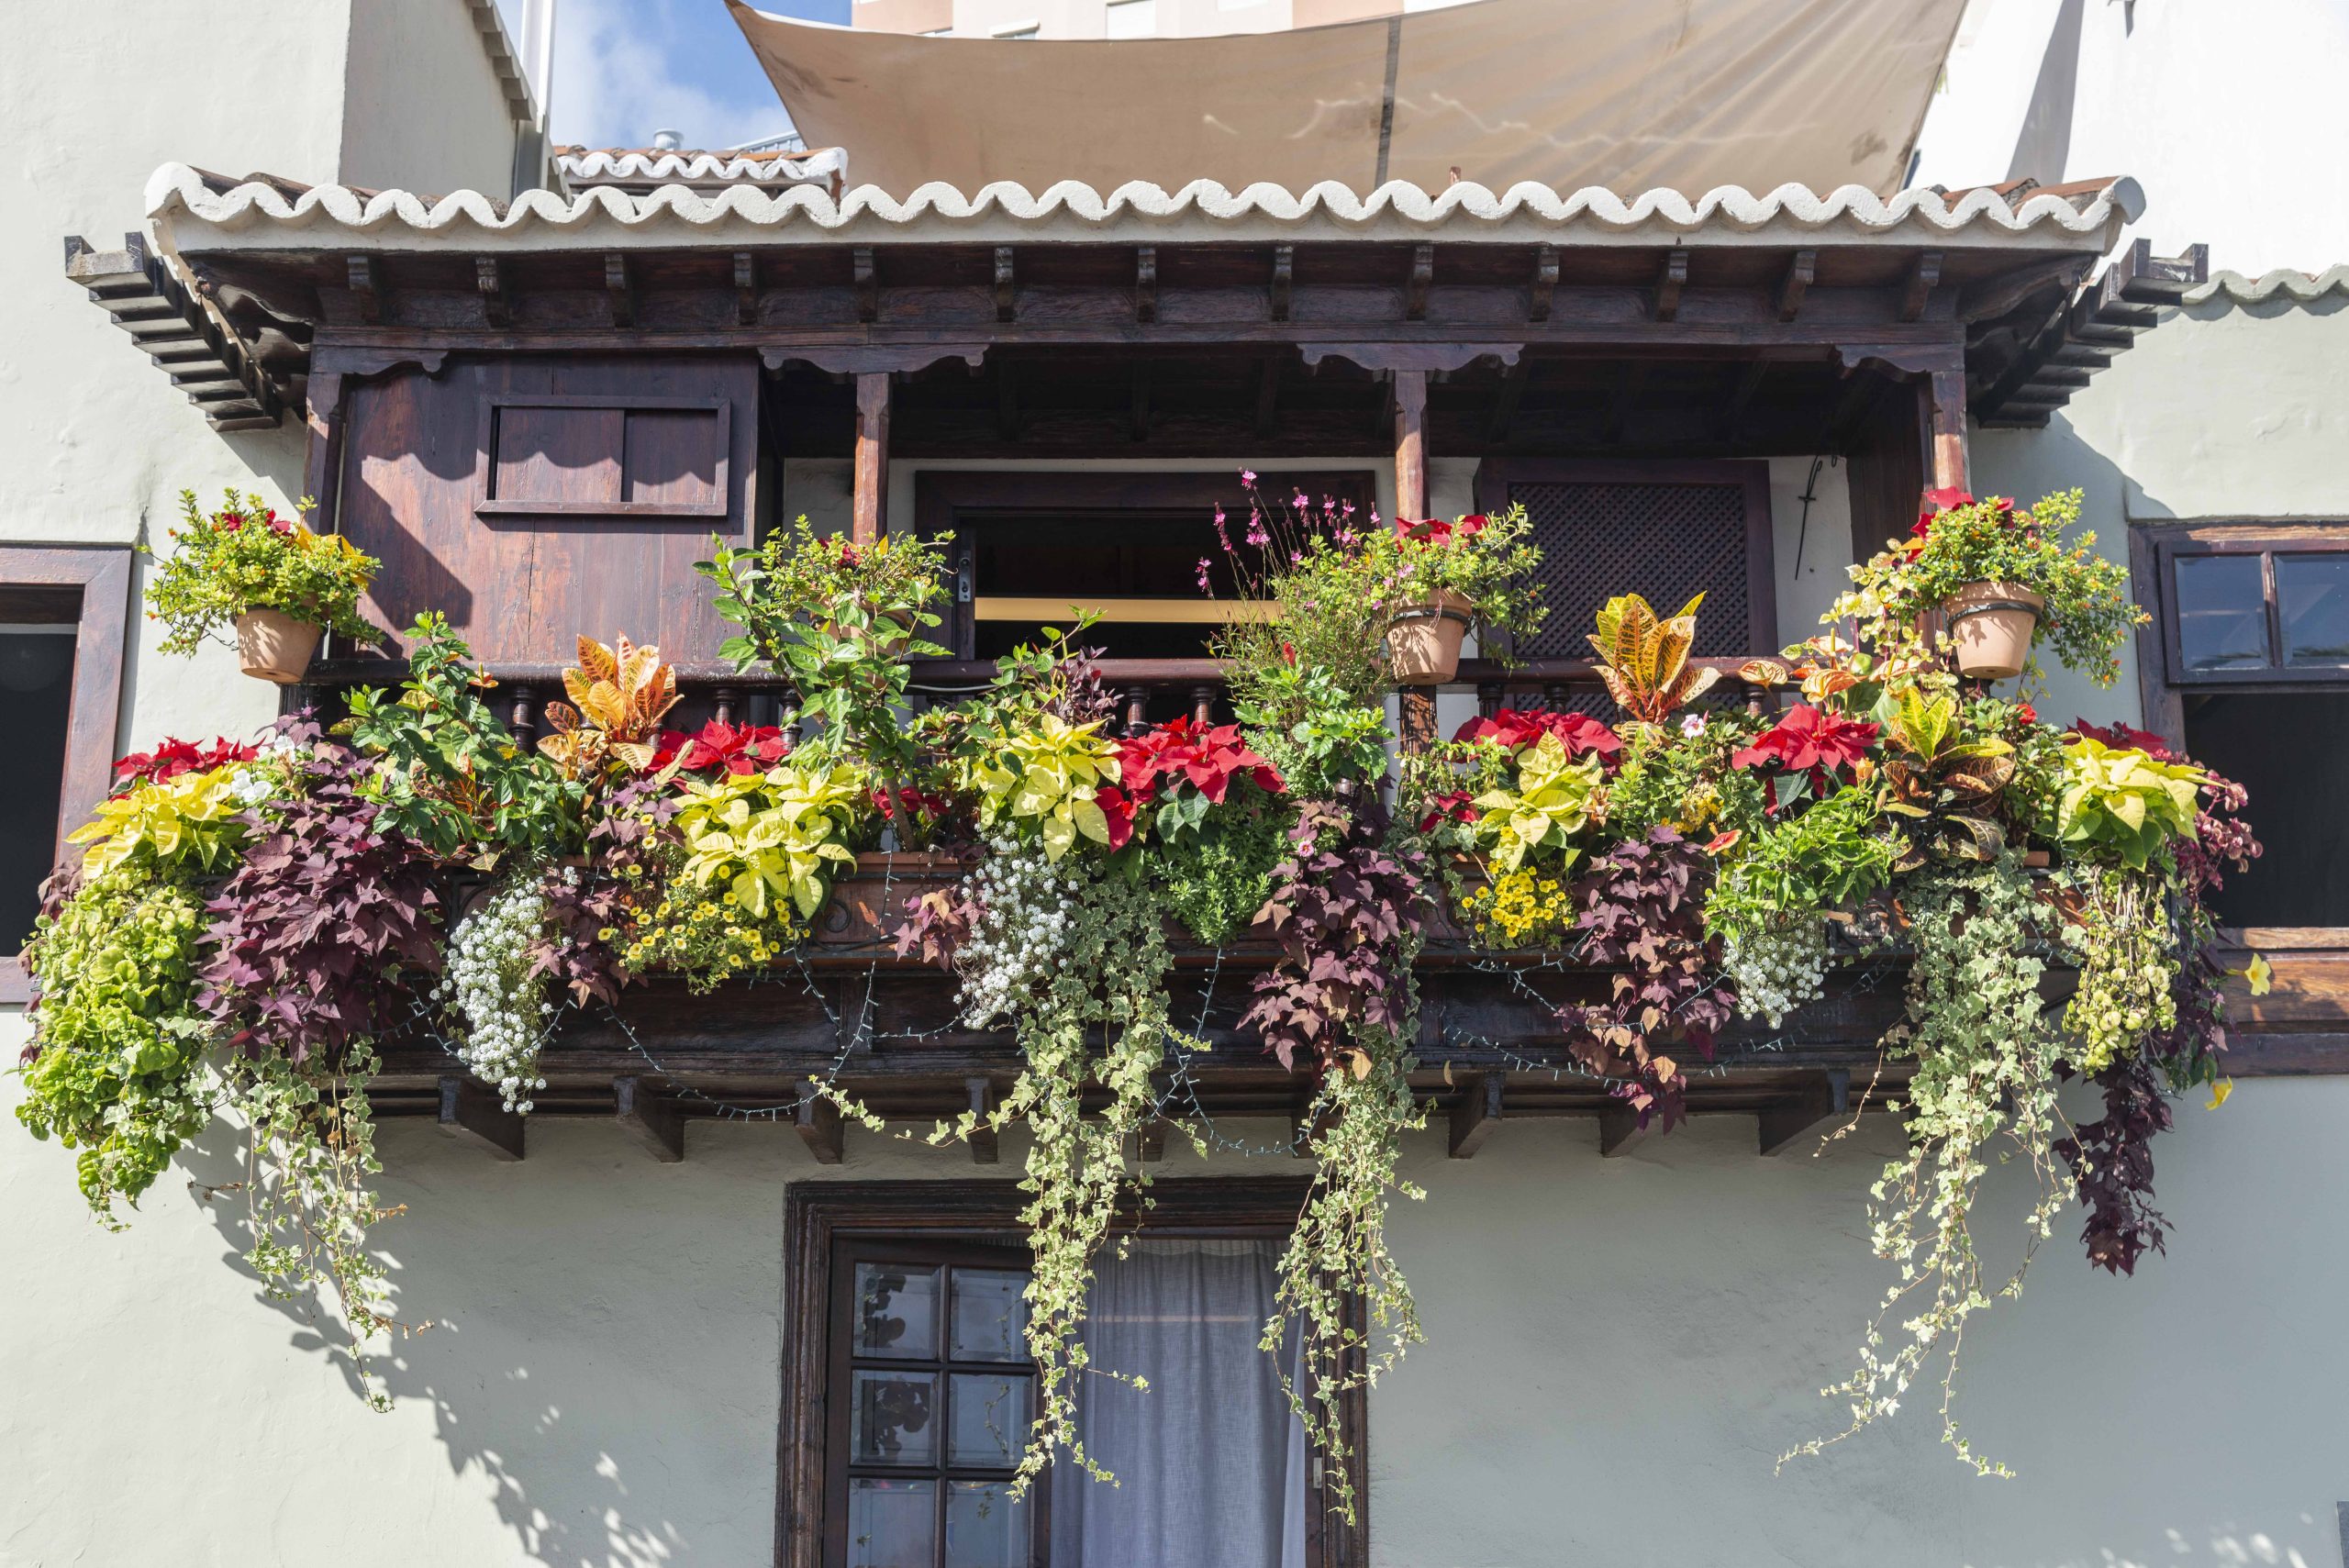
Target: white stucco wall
[1617,1350]
[422,110]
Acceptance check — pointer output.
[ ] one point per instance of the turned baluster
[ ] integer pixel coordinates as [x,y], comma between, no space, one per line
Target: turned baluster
[1202,705]
[1137,710]
[722,702]
[522,716]
[1488,699]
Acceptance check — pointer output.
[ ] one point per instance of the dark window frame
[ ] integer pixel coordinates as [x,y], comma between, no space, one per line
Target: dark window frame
[2266,540]
[1495,474]
[821,1216]
[98,577]
[494,406]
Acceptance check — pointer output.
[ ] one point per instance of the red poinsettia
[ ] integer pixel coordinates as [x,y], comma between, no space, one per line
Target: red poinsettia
[721,746]
[173,758]
[1206,757]
[913,802]
[1516,729]
[1435,531]
[1949,498]
[1451,805]
[1118,808]
[1809,740]
[2128,737]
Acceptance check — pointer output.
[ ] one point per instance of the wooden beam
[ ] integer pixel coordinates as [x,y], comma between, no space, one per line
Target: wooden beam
[1544,288]
[1825,1095]
[491,285]
[1748,384]
[986,1144]
[651,1118]
[619,289]
[1795,285]
[818,1121]
[360,273]
[1473,1118]
[1145,283]
[1268,393]
[1925,276]
[869,518]
[1007,399]
[1283,279]
[1668,286]
[1946,398]
[1004,301]
[746,289]
[322,465]
[1411,444]
[472,1113]
[1505,403]
[1415,292]
[1619,1131]
[868,283]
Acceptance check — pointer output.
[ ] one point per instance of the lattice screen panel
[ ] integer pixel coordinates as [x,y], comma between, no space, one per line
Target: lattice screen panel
[1664,541]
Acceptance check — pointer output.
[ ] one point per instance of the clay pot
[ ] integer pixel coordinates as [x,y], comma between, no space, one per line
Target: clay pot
[274,646]
[1424,640]
[1992,625]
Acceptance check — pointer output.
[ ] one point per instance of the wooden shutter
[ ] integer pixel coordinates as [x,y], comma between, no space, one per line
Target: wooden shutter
[1667,530]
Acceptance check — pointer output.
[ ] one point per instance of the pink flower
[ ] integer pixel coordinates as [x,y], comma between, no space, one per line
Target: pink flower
[1203,574]
[1248,478]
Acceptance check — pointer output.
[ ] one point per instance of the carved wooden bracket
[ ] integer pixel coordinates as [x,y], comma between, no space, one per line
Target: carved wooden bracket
[1380,357]
[865,358]
[1002,292]
[1901,359]
[1669,284]
[746,289]
[360,364]
[1283,277]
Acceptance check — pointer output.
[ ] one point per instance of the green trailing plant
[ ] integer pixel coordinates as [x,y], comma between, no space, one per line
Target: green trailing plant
[1780,888]
[243,557]
[1312,729]
[1987,1060]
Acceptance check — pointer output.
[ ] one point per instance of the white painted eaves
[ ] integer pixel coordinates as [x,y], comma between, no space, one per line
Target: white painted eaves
[772,168]
[190,215]
[2300,286]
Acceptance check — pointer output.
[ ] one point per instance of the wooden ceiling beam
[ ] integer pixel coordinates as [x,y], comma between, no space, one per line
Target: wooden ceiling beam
[1478,1112]
[868,283]
[1925,276]
[1668,284]
[490,284]
[1415,294]
[619,289]
[1544,286]
[1787,303]
[746,289]
[651,1119]
[1145,283]
[1283,279]
[1005,302]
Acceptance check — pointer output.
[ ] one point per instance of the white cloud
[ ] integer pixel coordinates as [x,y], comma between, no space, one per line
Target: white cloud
[617,80]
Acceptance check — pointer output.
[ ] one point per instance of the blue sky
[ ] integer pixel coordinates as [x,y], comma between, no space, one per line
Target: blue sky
[624,69]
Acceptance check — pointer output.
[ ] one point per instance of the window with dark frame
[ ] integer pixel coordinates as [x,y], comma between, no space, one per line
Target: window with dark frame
[63,609]
[908,1393]
[2248,668]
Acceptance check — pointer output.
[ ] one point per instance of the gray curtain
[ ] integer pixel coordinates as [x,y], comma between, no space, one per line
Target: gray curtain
[1210,1461]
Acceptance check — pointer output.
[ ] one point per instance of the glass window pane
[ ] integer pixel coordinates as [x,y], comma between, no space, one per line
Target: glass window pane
[892,1524]
[2312,594]
[985,1526]
[890,1418]
[2221,612]
[991,1417]
[896,1311]
[990,1320]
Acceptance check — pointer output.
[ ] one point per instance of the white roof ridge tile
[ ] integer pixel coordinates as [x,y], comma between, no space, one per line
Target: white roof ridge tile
[2303,287]
[600,164]
[176,189]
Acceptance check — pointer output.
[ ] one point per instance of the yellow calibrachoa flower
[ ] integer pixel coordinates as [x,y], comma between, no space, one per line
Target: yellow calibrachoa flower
[191,815]
[777,834]
[1048,776]
[1551,804]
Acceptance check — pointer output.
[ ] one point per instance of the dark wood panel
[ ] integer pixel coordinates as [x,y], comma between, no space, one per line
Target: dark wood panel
[606,441]
[1887,471]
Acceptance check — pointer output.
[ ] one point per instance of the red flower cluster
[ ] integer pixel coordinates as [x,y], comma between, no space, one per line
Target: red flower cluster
[1435,531]
[1809,740]
[173,758]
[1206,757]
[1949,499]
[2128,737]
[231,521]
[1516,729]
[912,802]
[1118,808]
[1452,805]
[732,747]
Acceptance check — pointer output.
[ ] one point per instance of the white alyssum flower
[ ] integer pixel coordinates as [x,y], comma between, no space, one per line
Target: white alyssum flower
[252,785]
[1779,970]
[1016,942]
[504,1007]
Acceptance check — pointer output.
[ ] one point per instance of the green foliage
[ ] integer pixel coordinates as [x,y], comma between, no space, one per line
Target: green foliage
[1215,877]
[1675,777]
[1947,788]
[1310,726]
[449,776]
[2123,803]
[839,619]
[1830,856]
[245,557]
[118,1043]
[2130,958]
[1643,657]
[776,836]
[1543,810]
[1046,780]
[188,820]
[2089,613]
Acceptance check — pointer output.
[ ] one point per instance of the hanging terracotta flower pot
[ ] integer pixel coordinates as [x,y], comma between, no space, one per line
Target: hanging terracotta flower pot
[274,646]
[1991,625]
[1424,640]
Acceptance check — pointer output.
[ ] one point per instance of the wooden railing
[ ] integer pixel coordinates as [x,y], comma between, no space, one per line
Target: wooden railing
[1149,689]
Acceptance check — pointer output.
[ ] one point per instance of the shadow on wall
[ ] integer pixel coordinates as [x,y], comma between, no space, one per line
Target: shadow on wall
[606,1352]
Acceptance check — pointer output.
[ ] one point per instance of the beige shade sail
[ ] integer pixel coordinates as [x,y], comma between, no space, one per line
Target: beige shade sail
[1681,95]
